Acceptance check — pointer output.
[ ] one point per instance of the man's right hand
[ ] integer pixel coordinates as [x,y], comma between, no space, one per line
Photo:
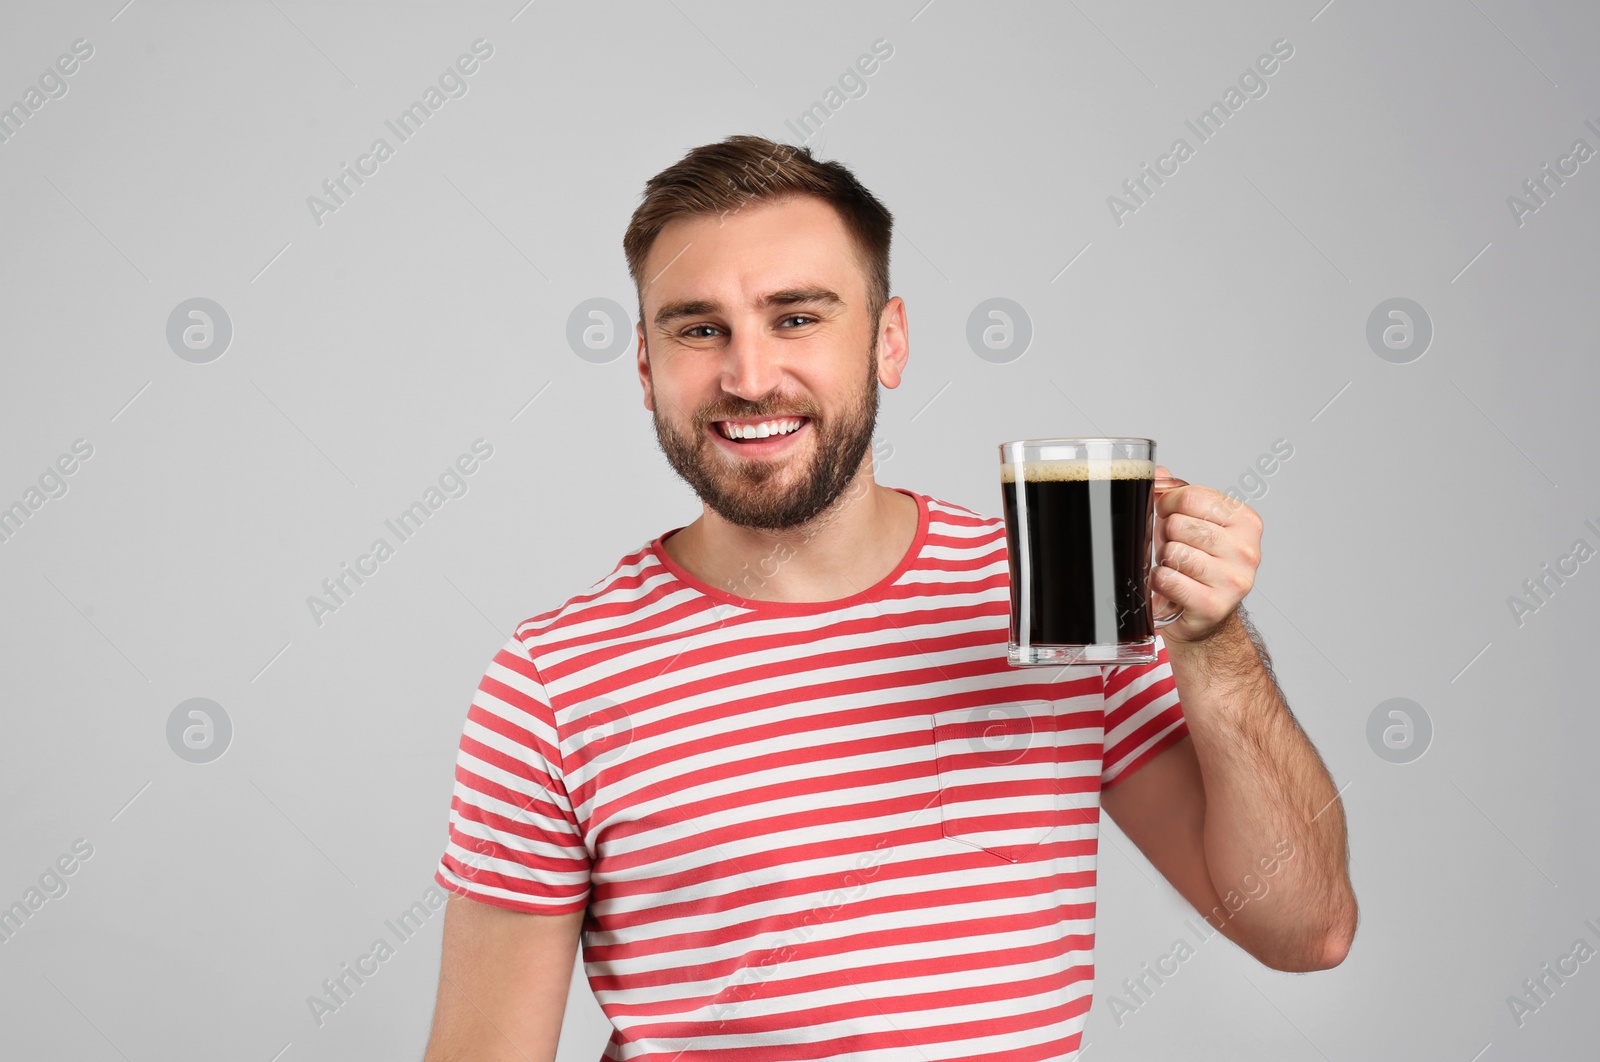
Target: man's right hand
[503,980]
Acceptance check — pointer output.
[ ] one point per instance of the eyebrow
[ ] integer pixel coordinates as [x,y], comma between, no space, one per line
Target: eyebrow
[673,311]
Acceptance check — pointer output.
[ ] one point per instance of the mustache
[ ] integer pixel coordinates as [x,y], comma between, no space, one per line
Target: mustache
[764,409]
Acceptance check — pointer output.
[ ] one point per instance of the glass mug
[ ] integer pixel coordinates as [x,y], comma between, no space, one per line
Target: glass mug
[1082,537]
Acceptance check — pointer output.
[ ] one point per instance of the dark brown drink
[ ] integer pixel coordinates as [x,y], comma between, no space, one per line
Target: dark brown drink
[1081,578]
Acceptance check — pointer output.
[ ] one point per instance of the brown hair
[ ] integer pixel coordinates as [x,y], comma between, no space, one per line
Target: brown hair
[718,179]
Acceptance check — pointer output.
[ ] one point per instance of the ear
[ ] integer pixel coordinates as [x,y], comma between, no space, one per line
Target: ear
[894,342]
[643,356]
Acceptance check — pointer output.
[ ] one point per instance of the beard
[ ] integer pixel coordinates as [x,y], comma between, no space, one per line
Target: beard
[748,493]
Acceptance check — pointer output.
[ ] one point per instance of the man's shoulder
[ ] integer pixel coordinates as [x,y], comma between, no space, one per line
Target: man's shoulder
[958,515]
[636,582]
[619,591]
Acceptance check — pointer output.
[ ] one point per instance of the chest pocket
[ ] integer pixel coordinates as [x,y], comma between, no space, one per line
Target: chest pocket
[1010,780]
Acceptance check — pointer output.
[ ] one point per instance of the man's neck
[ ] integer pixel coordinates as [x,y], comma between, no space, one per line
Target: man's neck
[849,547]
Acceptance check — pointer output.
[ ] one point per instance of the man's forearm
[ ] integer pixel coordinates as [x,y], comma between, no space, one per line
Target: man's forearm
[1267,794]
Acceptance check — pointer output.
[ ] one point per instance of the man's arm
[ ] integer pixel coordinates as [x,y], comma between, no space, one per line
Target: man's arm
[1241,816]
[503,980]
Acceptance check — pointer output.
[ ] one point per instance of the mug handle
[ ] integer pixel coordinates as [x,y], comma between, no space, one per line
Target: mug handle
[1158,539]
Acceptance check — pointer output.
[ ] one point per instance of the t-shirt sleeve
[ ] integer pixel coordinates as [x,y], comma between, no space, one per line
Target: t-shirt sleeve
[514,840]
[1143,716]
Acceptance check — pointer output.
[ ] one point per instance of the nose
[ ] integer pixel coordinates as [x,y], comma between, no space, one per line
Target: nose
[750,367]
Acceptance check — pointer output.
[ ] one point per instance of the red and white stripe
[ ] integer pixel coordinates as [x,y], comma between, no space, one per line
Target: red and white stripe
[807,830]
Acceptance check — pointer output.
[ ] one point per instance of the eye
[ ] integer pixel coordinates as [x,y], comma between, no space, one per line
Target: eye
[803,318]
[693,331]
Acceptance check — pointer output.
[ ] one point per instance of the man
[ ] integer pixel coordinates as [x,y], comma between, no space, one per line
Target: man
[749,764]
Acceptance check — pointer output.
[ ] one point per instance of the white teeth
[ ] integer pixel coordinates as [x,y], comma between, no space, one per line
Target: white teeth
[760,431]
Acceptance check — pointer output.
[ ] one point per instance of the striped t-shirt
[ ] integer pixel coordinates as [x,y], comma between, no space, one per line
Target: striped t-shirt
[807,830]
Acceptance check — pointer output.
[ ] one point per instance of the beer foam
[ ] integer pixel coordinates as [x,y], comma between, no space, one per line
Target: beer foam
[1078,469]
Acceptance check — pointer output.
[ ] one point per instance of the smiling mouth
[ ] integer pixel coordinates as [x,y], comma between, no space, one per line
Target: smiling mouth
[749,432]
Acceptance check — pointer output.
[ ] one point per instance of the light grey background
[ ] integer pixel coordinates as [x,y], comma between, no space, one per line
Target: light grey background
[1227,312]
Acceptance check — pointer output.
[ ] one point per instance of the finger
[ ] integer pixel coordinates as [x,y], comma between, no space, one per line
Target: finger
[1182,557]
[1234,554]
[1201,534]
[1232,572]
[1207,503]
[1198,600]
[1234,546]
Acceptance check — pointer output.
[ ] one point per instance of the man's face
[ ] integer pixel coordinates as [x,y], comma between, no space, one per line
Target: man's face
[759,317]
